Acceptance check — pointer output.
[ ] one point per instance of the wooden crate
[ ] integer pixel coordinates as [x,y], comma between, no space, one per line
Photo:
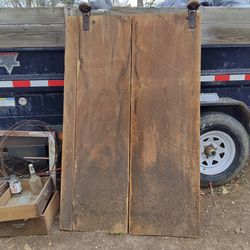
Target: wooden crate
[39,225]
[50,136]
[25,205]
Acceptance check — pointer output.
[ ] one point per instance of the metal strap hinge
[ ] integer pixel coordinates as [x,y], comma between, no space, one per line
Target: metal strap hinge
[85,8]
[86,21]
[192,6]
[192,19]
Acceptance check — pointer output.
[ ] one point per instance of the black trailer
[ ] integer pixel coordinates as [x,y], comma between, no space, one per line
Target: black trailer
[225,101]
[32,68]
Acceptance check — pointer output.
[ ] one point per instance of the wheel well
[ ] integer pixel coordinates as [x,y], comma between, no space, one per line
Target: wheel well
[236,111]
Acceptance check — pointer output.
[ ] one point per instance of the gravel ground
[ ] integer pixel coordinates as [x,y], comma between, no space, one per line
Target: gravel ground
[225,224]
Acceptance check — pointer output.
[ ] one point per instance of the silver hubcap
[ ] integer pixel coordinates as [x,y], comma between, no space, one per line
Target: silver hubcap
[217,151]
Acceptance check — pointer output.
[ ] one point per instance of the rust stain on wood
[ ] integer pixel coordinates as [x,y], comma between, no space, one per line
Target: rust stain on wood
[149,147]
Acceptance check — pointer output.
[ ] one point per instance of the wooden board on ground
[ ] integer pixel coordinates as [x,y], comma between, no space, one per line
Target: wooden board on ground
[99,160]
[164,194]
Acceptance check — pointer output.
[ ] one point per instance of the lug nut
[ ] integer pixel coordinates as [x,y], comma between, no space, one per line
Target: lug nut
[210,151]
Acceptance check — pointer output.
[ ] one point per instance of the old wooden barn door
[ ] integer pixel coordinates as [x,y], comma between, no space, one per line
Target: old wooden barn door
[131,125]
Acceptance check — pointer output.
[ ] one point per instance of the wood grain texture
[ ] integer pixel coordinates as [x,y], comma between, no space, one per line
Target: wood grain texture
[31,27]
[165,126]
[31,16]
[31,36]
[225,25]
[102,126]
[100,163]
[69,119]
[51,211]
[44,27]
[45,195]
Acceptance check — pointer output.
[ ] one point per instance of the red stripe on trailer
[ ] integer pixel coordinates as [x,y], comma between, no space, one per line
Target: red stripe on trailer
[21,84]
[8,53]
[247,77]
[55,83]
[221,78]
[31,83]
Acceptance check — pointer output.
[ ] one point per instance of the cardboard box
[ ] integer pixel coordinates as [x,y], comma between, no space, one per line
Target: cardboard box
[39,225]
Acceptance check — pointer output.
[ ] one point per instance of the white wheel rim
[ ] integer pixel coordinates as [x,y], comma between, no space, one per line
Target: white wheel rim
[224,147]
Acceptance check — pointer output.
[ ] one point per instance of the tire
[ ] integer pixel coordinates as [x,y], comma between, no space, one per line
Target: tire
[224,147]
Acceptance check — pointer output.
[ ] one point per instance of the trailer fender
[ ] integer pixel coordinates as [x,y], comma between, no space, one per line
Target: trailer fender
[211,102]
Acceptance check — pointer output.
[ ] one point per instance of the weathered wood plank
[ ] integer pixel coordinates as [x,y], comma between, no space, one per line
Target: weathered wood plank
[100,166]
[31,36]
[69,119]
[44,27]
[231,34]
[102,126]
[165,126]
[225,25]
[225,15]
[31,16]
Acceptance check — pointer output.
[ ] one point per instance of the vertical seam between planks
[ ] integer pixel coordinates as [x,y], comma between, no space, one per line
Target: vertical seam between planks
[78,31]
[199,111]
[130,125]
[67,177]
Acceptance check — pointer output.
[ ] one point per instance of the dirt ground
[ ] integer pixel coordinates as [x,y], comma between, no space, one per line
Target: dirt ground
[225,224]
